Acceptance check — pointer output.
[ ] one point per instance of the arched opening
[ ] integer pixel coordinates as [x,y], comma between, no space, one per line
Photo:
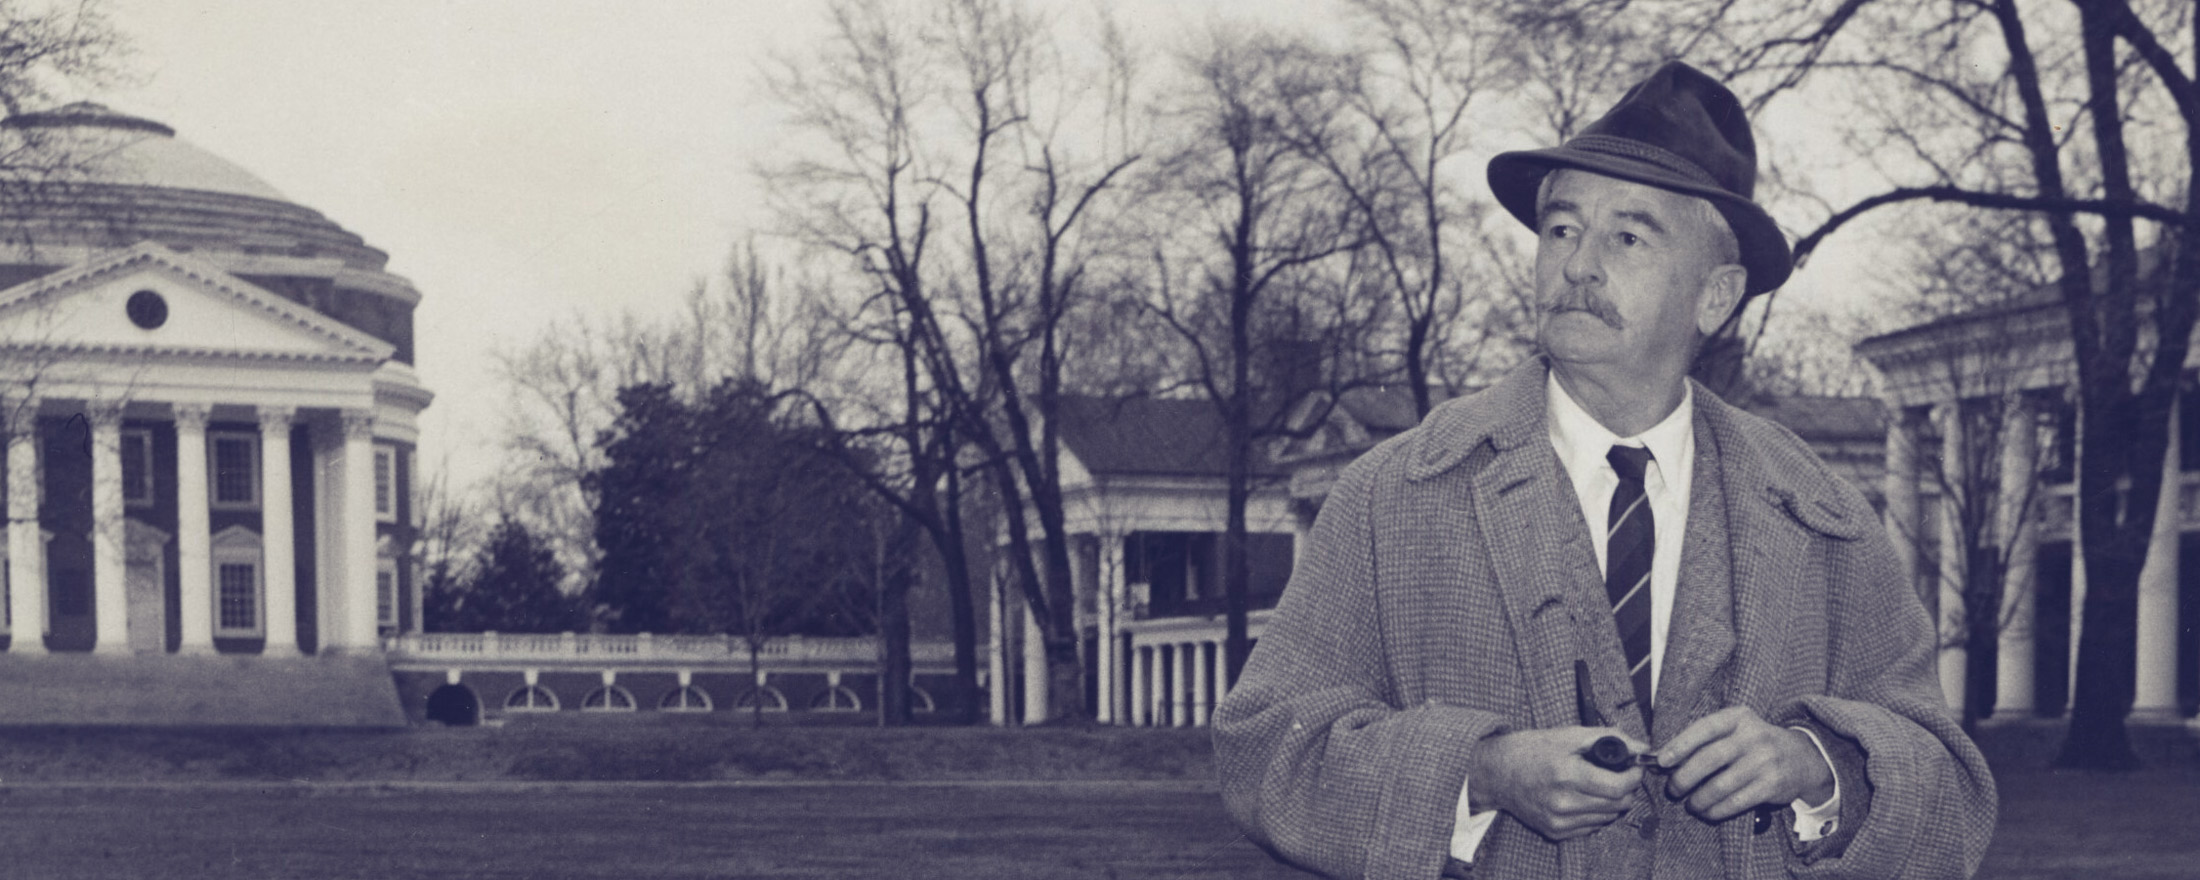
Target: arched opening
[836,699]
[532,698]
[686,698]
[774,701]
[609,698]
[454,705]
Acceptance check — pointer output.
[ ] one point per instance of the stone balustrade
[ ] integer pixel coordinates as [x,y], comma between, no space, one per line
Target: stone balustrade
[592,649]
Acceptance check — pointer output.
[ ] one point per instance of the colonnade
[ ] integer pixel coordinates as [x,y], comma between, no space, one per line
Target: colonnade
[2015,523]
[1174,683]
[344,478]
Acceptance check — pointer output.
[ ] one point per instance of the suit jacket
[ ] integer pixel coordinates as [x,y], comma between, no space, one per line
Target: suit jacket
[1447,590]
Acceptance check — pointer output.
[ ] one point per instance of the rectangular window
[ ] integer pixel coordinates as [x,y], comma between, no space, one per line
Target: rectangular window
[2059,452]
[239,597]
[236,468]
[2188,427]
[137,467]
[385,483]
[385,593]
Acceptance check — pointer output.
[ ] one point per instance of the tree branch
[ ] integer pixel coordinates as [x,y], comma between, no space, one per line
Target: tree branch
[1808,244]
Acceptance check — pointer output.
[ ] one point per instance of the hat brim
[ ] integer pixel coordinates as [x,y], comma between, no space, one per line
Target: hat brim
[1516,176]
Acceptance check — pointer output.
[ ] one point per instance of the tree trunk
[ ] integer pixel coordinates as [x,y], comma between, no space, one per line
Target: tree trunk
[894,665]
[962,605]
[756,680]
[2115,551]
[2107,664]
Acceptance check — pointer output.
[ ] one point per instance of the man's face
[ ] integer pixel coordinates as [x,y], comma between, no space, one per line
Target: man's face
[1626,275]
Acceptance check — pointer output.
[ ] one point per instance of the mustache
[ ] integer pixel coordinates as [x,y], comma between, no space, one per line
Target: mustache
[1577,298]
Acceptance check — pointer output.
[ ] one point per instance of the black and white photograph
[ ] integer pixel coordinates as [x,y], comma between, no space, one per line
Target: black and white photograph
[1109,439]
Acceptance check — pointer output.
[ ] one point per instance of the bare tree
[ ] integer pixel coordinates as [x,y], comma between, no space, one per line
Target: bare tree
[1248,287]
[1383,117]
[978,112]
[1964,340]
[2087,116]
[863,194]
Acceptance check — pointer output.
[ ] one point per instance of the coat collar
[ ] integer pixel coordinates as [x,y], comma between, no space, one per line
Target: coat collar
[1758,458]
[1506,416]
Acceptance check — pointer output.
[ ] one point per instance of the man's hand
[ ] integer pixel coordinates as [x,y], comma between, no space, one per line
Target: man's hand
[1540,778]
[1727,763]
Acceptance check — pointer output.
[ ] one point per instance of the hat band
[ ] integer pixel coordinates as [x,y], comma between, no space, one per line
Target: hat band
[1643,152]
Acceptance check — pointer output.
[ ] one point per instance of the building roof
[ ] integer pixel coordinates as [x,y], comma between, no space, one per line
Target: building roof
[1148,435]
[1814,417]
[1176,436]
[116,148]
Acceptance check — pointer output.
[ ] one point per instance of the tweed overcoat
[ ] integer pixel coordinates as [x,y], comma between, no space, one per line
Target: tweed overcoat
[1448,589]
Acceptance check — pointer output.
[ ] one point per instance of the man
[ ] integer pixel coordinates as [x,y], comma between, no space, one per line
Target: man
[1598,547]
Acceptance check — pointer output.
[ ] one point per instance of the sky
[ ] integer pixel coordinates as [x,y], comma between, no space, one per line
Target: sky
[520,160]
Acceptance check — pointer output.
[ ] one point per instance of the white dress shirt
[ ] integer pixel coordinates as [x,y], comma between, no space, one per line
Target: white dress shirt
[1582,444]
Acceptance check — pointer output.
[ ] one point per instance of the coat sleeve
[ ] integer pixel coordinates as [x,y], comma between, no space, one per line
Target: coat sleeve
[1932,804]
[1318,762]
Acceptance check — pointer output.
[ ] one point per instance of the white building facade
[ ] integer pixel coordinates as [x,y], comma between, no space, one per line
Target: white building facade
[1983,429]
[1145,506]
[211,411]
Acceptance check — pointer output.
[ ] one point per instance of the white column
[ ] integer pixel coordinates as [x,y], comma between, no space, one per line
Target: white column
[110,589]
[1222,670]
[26,539]
[2077,605]
[356,525]
[1141,707]
[278,533]
[1203,677]
[194,532]
[996,655]
[1163,655]
[1035,667]
[2077,556]
[1901,489]
[2020,484]
[1954,657]
[1110,588]
[2154,694]
[1182,716]
[1163,679]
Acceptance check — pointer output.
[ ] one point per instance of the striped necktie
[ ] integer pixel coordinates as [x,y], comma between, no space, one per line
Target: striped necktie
[1628,546]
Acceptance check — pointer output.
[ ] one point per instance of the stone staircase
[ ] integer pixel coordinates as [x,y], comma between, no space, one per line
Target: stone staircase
[158,690]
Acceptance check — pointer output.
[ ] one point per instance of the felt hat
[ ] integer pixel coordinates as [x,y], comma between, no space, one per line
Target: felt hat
[1678,130]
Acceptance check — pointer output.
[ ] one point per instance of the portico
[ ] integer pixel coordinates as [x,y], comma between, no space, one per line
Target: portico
[1984,417]
[208,480]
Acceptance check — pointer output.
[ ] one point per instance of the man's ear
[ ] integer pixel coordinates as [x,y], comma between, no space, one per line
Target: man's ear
[1722,292]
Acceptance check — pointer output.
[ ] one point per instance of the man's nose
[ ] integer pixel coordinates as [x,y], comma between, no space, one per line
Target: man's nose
[1585,265]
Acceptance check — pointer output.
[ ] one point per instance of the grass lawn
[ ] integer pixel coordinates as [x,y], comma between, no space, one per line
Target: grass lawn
[790,803]
[779,830]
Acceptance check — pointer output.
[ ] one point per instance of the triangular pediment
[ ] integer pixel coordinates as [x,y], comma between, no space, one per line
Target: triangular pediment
[186,306]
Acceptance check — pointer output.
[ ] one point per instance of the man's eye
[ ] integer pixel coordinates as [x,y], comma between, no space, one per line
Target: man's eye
[1629,239]
[1559,230]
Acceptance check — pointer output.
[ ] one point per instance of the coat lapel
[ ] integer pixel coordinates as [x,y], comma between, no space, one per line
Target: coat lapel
[1538,546]
[1700,637]
[1780,501]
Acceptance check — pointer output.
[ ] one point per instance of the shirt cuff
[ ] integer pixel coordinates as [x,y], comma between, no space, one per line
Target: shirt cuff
[1811,823]
[1468,827]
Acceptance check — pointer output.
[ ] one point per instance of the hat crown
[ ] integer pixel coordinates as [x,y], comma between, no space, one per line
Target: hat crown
[1691,118]
[1678,130]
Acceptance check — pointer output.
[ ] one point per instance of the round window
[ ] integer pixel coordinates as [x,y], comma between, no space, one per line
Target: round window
[147,309]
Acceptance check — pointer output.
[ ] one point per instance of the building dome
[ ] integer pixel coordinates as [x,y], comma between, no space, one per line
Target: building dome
[117,148]
[86,178]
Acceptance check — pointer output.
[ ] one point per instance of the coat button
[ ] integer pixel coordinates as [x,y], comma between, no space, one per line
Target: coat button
[1648,827]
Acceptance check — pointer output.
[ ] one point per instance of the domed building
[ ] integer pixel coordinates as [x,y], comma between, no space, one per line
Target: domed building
[212,412]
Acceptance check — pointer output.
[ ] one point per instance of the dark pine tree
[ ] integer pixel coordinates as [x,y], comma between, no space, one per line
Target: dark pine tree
[515,588]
